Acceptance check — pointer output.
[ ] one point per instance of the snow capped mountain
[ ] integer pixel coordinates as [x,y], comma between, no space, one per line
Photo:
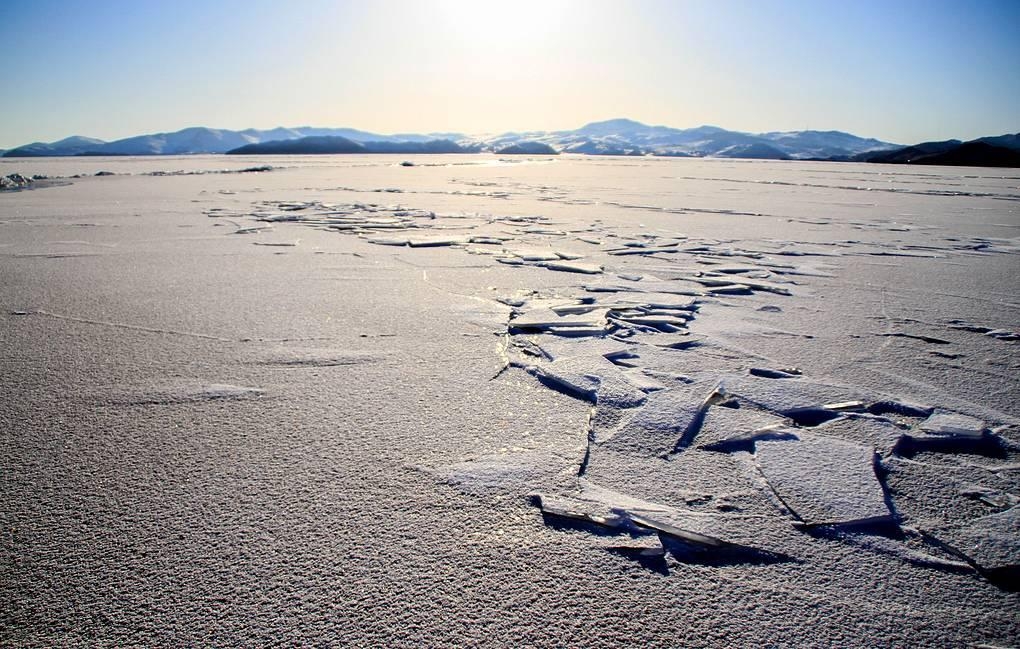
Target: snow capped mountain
[74,145]
[189,140]
[753,150]
[610,137]
[629,137]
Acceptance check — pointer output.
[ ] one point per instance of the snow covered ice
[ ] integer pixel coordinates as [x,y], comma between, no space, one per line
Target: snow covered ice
[477,399]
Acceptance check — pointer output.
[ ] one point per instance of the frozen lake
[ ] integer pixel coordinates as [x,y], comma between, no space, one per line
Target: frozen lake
[522,401]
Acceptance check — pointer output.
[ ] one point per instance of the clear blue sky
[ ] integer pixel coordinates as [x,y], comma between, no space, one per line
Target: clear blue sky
[903,71]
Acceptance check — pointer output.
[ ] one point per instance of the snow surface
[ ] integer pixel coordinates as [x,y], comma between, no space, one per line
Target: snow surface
[542,402]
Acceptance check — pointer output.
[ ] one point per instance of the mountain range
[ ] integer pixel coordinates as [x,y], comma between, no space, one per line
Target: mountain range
[611,137]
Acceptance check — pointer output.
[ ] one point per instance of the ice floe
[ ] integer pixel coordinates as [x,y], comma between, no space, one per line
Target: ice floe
[824,481]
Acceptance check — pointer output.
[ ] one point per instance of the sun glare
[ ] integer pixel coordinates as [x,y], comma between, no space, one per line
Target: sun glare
[523,21]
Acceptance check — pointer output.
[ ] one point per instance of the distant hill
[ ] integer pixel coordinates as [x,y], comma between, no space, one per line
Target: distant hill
[421,146]
[823,144]
[187,141]
[995,151]
[753,150]
[909,153]
[199,140]
[609,137]
[313,144]
[73,145]
[975,154]
[318,144]
[528,148]
[1010,141]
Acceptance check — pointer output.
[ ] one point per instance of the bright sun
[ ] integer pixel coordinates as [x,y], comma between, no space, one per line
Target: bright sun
[523,20]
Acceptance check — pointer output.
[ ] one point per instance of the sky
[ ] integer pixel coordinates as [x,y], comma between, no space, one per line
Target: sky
[902,71]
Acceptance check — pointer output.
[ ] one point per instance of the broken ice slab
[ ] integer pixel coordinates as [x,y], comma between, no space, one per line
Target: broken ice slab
[746,441]
[734,270]
[545,319]
[727,430]
[568,309]
[643,380]
[586,349]
[674,288]
[755,284]
[1003,334]
[991,543]
[687,535]
[953,425]
[535,229]
[536,255]
[690,546]
[493,241]
[899,407]
[854,405]
[911,444]
[809,402]
[569,256]
[281,244]
[864,429]
[730,289]
[769,373]
[594,517]
[661,301]
[658,339]
[430,242]
[666,423]
[569,267]
[593,379]
[648,250]
[575,332]
[713,282]
[609,288]
[666,313]
[824,481]
[388,241]
[475,250]
[667,323]
[251,229]
[563,378]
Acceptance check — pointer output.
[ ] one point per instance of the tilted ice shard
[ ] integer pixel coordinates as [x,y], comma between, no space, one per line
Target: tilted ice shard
[687,535]
[792,395]
[430,242]
[954,425]
[728,430]
[572,267]
[540,319]
[666,422]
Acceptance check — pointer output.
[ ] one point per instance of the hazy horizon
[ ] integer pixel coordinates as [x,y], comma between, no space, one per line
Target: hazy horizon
[907,73]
